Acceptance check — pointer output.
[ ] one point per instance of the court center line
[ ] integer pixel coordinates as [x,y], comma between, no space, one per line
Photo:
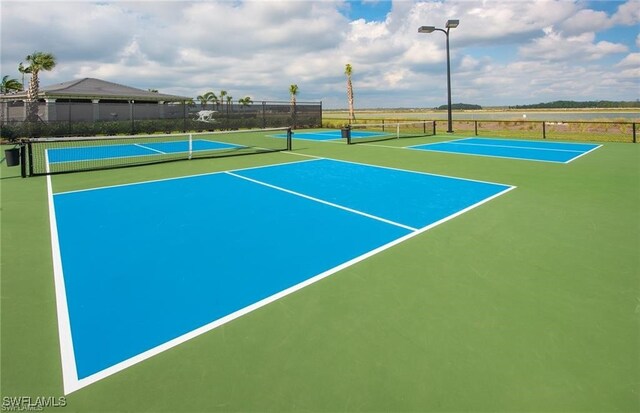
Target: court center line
[148,148]
[354,211]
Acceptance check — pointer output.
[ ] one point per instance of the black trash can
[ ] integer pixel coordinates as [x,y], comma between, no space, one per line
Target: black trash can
[12,156]
[346,134]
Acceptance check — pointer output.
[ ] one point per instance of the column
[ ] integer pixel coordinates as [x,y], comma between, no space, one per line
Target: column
[96,109]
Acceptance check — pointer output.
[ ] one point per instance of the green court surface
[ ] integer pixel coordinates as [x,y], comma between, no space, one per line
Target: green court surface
[528,303]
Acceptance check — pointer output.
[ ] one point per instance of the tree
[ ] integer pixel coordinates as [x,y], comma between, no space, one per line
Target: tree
[348,70]
[22,70]
[245,101]
[223,93]
[10,85]
[229,100]
[206,98]
[293,91]
[202,99]
[37,61]
[212,98]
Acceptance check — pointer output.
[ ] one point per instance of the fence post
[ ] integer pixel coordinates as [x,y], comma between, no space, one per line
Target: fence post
[633,127]
[475,127]
[132,114]
[184,116]
[544,130]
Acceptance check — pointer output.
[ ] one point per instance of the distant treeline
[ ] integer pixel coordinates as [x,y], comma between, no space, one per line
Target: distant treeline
[570,104]
[459,106]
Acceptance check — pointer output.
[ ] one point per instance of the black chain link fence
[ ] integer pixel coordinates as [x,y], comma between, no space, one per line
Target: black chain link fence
[60,118]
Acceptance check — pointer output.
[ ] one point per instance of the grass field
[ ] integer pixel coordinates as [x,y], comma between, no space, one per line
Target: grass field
[528,303]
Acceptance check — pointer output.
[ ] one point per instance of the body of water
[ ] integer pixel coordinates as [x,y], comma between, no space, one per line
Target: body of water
[562,116]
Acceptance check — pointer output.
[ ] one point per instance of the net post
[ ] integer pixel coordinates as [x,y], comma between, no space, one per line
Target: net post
[23,160]
[289,139]
[398,130]
[544,130]
[633,127]
[475,127]
[30,156]
[190,146]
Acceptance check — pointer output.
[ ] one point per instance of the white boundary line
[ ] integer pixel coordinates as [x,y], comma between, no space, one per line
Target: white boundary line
[417,172]
[67,354]
[583,154]
[354,211]
[461,142]
[183,177]
[488,156]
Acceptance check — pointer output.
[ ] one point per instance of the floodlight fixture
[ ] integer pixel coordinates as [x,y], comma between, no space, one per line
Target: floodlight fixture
[452,24]
[426,29]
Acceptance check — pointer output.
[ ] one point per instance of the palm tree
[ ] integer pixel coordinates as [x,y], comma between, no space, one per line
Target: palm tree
[212,98]
[348,70]
[22,70]
[229,100]
[10,85]
[37,61]
[223,93]
[293,91]
[245,101]
[206,98]
[202,99]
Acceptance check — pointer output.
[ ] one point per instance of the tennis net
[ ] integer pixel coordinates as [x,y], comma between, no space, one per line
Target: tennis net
[60,155]
[372,132]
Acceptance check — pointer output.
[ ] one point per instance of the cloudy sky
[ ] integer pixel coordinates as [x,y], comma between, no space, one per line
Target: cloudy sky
[503,53]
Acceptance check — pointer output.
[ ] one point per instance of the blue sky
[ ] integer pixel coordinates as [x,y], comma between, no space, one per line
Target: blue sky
[503,53]
[368,10]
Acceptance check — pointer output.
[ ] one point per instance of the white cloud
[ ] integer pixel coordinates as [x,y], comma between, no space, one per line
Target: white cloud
[628,13]
[258,48]
[586,21]
[556,46]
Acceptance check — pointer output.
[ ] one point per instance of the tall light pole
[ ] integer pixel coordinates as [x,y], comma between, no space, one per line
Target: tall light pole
[451,24]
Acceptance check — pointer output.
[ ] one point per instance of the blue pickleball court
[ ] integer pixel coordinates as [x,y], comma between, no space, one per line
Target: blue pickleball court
[146,266]
[334,135]
[544,151]
[129,150]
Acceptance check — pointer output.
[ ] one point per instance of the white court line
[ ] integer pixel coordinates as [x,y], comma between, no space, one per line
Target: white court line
[67,354]
[183,177]
[583,154]
[451,152]
[355,211]
[461,142]
[148,148]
